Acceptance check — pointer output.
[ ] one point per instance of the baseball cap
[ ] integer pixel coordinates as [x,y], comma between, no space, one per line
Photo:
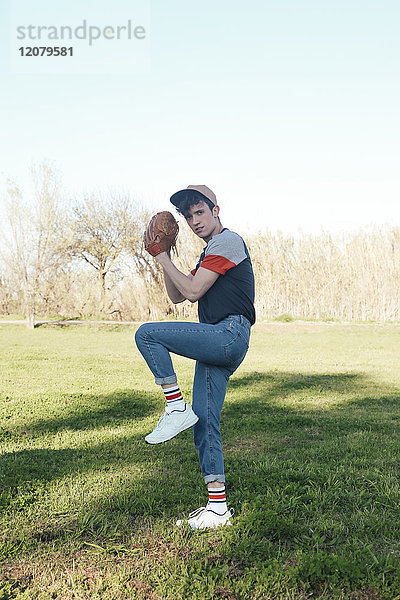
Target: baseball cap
[201,189]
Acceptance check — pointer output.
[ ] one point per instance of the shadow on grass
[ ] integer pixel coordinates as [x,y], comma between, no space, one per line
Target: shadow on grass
[281,400]
[88,411]
[258,426]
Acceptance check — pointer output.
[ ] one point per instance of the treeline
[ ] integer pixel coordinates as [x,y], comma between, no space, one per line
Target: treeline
[346,277]
[85,258]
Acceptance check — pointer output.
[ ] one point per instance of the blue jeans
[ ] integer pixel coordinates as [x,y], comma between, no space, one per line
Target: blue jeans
[218,351]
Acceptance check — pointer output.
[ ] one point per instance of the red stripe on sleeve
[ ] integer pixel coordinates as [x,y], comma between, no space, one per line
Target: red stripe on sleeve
[219,264]
[193,272]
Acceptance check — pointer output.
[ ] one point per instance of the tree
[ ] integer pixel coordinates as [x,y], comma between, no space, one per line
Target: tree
[103,230]
[35,243]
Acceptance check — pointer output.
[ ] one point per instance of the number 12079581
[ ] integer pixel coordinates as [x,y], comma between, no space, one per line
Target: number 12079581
[46,51]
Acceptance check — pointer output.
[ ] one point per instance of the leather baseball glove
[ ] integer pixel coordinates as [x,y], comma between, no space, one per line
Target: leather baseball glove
[161,233]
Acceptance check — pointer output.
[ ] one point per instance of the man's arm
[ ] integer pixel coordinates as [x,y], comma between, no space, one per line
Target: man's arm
[174,294]
[190,287]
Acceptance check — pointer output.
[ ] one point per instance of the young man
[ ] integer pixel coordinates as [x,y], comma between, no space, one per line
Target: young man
[223,285]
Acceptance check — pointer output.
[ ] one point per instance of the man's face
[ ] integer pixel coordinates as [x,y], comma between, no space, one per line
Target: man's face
[203,221]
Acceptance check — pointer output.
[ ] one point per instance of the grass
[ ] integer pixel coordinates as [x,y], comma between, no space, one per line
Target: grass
[12,317]
[311,443]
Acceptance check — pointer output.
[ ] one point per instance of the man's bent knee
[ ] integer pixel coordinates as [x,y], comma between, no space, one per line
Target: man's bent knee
[140,334]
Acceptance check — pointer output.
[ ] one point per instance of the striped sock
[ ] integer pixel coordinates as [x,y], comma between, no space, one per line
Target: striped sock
[174,398]
[217,499]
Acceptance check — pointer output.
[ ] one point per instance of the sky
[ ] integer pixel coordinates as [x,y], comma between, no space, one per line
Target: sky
[288,110]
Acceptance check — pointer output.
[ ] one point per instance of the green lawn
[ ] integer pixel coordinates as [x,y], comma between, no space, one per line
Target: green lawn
[310,428]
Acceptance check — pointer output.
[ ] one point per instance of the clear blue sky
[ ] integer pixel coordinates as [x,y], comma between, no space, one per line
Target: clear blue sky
[289,110]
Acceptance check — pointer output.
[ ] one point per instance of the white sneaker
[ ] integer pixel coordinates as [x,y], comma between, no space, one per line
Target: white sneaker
[170,424]
[204,518]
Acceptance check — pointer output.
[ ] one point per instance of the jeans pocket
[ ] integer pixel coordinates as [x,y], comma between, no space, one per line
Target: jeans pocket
[235,350]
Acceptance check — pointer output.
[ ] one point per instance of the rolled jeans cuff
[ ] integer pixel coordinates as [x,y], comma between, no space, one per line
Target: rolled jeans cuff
[164,380]
[211,478]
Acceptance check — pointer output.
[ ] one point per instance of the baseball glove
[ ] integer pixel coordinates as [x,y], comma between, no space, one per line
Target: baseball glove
[161,233]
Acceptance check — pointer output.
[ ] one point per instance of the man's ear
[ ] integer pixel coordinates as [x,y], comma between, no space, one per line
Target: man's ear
[215,211]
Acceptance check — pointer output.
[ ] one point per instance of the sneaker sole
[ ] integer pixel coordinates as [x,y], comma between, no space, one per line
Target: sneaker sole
[192,526]
[188,424]
[184,522]
[224,524]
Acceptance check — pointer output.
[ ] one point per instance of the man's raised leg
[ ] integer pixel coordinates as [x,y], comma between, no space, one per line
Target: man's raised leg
[177,417]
